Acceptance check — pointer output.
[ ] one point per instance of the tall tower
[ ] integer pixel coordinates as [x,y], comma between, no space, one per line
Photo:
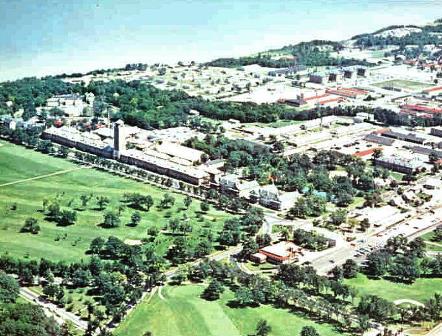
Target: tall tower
[119,138]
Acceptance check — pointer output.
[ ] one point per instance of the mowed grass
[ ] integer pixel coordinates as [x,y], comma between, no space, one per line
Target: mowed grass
[421,290]
[431,245]
[184,313]
[70,243]
[403,84]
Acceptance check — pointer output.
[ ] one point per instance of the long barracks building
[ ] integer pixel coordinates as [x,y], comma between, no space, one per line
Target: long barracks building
[91,143]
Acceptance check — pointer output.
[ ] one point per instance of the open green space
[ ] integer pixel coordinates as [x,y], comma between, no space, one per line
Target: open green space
[422,289]
[430,244]
[70,243]
[403,84]
[184,313]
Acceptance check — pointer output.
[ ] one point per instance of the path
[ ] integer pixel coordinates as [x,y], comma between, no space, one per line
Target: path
[433,243]
[53,309]
[160,293]
[42,176]
[437,331]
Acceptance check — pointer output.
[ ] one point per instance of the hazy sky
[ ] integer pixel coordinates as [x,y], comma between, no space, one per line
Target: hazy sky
[39,37]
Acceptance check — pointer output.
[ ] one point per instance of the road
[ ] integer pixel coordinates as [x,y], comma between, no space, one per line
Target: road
[413,227]
[437,331]
[58,313]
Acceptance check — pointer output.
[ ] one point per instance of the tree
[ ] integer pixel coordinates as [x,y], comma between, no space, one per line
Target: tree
[263,328]
[187,201]
[309,331]
[9,288]
[377,153]
[213,291]
[364,322]
[26,319]
[167,201]
[338,217]
[244,296]
[376,308]
[102,202]
[337,273]
[54,210]
[406,268]
[350,268]
[84,200]
[135,218]
[263,240]
[63,151]
[31,225]
[96,245]
[111,220]
[204,206]
[45,146]
[81,278]
[67,217]
[437,235]
[378,263]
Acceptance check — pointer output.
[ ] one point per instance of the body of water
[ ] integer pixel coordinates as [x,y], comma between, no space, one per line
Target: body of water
[40,37]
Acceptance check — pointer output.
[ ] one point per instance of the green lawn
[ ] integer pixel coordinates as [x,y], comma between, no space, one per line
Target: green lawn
[421,290]
[431,245]
[184,313]
[70,243]
[404,84]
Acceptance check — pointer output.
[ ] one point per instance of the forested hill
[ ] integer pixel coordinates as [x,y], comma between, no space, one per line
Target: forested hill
[318,52]
[402,35]
[313,53]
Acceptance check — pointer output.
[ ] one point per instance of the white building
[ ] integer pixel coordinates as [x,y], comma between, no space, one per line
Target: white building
[71,104]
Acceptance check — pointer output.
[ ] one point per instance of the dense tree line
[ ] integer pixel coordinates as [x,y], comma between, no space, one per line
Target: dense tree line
[310,240]
[403,261]
[29,93]
[17,319]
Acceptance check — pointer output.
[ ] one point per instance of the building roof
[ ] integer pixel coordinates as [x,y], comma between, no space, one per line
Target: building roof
[282,249]
[366,152]
[401,161]
[421,108]
[182,152]
[187,170]
[378,139]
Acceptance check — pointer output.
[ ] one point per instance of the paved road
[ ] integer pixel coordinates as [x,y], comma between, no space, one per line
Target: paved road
[59,314]
[413,227]
[437,331]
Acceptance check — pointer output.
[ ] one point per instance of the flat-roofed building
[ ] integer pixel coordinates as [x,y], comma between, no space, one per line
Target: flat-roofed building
[71,104]
[400,164]
[378,139]
[436,131]
[160,166]
[159,163]
[233,185]
[317,78]
[270,197]
[281,253]
[176,150]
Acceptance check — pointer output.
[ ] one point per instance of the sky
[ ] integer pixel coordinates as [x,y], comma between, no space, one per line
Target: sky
[43,37]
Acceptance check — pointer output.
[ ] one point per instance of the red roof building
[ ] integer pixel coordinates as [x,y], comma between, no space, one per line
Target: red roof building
[366,152]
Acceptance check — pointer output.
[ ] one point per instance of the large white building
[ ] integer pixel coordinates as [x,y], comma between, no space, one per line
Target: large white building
[71,104]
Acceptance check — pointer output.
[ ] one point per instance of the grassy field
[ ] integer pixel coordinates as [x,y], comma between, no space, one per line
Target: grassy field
[70,243]
[420,290]
[403,84]
[184,313]
[431,245]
